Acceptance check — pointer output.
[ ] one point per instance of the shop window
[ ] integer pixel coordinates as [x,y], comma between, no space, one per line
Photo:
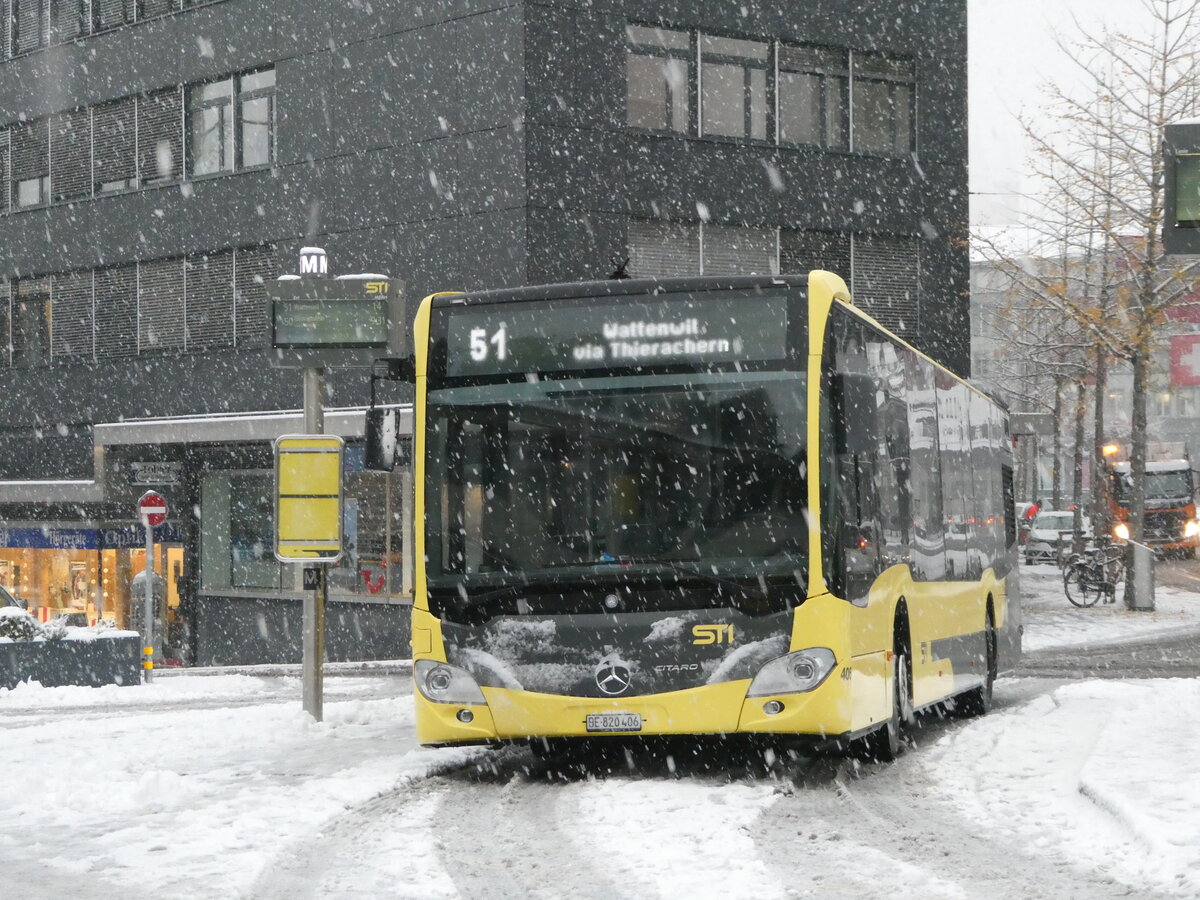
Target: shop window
[813,96]
[237,541]
[372,526]
[733,87]
[658,76]
[884,105]
[256,119]
[210,127]
[114,150]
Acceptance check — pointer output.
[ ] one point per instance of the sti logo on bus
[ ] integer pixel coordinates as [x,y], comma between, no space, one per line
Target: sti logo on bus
[377,287]
[712,634]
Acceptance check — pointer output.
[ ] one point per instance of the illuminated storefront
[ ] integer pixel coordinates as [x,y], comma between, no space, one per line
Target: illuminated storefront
[228,600]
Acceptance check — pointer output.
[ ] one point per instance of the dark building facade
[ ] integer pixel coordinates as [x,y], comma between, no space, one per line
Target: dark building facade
[163,159]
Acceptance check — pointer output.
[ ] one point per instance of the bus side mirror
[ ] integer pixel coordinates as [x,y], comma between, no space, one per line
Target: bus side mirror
[854,413]
[381,437]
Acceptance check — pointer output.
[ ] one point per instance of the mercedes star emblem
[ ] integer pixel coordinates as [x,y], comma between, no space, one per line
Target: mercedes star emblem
[612,676]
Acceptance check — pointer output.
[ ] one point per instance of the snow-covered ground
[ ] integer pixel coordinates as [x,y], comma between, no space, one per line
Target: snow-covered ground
[207,786]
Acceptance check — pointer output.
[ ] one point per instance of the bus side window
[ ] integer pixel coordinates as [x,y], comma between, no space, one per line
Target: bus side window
[856,528]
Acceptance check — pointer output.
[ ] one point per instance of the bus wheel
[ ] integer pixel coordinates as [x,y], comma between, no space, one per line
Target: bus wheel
[978,700]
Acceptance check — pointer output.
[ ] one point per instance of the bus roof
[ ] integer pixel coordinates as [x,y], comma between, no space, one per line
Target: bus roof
[619,288]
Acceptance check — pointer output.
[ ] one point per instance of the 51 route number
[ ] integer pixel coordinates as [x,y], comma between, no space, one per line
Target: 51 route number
[480,341]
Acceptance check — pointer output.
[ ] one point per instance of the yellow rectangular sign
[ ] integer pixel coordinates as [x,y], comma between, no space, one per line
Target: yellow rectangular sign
[308,498]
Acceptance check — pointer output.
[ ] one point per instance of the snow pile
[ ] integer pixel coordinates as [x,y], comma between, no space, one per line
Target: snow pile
[1100,775]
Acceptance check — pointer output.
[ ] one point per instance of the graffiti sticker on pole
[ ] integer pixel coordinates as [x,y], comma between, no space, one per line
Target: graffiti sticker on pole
[308,498]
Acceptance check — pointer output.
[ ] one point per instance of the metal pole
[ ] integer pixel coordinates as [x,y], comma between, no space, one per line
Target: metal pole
[314,601]
[148,615]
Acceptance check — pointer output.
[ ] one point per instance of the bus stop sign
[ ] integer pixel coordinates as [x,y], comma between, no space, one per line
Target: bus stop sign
[308,498]
[152,507]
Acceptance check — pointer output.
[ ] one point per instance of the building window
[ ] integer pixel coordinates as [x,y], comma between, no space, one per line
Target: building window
[116,313]
[208,306]
[28,25]
[68,19]
[658,77]
[151,9]
[114,146]
[802,251]
[30,159]
[112,13]
[71,154]
[256,119]
[733,87]
[4,182]
[886,279]
[663,249]
[735,250]
[72,316]
[884,105]
[813,92]
[215,140]
[679,250]
[159,137]
[31,314]
[210,127]
[161,307]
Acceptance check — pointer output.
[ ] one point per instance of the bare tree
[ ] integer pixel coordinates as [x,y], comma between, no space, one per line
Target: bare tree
[1102,162]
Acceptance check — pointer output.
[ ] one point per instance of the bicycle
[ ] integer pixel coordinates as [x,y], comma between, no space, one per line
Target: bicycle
[1094,574]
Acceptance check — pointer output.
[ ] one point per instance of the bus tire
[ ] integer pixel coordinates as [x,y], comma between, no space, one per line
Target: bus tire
[978,700]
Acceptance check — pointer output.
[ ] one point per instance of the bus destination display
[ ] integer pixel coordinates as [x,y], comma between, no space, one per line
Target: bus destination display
[670,330]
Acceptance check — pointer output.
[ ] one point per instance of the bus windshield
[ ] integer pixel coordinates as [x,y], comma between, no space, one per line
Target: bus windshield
[701,473]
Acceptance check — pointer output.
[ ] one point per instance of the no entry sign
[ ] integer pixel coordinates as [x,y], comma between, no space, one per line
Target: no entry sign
[152,507]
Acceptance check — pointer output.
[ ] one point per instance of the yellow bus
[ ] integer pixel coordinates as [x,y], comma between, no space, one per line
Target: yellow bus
[700,507]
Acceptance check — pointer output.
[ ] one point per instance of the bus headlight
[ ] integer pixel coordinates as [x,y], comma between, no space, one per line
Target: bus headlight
[444,683]
[1191,529]
[795,673]
[1121,531]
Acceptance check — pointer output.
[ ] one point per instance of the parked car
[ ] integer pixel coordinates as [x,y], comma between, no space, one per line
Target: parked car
[1025,513]
[1052,532]
[7,599]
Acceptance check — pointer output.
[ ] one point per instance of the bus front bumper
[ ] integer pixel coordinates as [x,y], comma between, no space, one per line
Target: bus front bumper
[722,708]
